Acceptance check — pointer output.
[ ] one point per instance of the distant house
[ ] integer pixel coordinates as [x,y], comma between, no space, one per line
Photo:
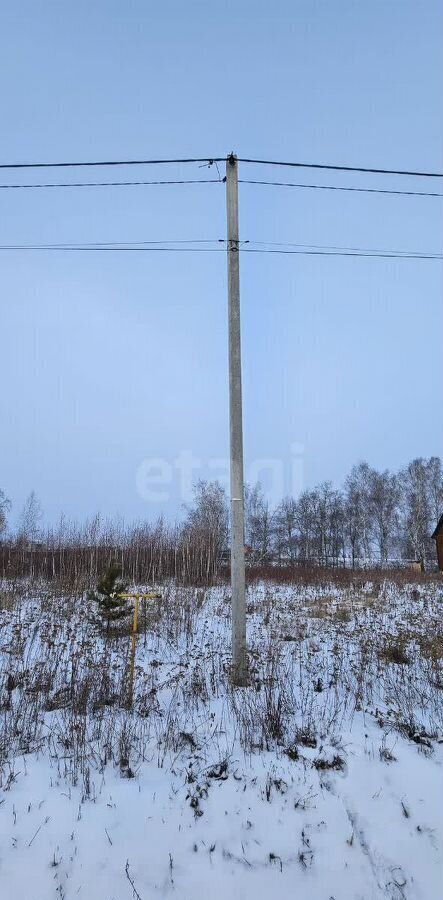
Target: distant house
[438,537]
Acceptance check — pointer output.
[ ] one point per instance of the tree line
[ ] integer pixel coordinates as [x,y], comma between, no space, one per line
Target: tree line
[374,518]
[190,551]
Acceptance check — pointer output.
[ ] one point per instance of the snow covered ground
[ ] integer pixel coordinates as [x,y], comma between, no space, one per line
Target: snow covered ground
[320,780]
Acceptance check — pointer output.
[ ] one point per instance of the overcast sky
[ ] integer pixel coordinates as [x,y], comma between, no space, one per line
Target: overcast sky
[110,361]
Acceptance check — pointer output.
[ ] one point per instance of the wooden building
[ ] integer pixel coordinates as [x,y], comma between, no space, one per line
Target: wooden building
[438,536]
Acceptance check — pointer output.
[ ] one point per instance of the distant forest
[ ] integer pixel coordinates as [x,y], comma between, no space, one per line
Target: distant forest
[376,518]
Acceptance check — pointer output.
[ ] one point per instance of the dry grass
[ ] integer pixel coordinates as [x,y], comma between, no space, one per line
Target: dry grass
[431,646]
[395,650]
[318,656]
[340,577]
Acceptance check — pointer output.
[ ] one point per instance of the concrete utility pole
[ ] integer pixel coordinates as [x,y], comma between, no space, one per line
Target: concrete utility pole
[239,658]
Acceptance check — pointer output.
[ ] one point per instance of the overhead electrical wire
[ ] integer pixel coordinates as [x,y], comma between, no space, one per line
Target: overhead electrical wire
[336,168]
[259,247]
[212,160]
[154,247]
[334,187]
[81,184]
[84,245]
[381,255]
[287,184]
[111,162]
[286,244]
[118,248]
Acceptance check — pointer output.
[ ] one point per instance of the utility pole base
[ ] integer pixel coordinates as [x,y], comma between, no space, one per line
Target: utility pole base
[240,673]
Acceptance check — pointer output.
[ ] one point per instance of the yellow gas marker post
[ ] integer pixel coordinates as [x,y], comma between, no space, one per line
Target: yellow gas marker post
[153,595]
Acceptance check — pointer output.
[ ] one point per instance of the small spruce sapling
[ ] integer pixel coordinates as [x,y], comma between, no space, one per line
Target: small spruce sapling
[108,596]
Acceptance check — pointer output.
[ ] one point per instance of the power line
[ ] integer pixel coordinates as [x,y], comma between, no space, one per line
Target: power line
[120,248]
[110,247]
[288,184]
[331,187]
[112,162]
[211,160]
[168,243]
[379,255]
[81,184]
[283,244]
[334,168]
[109,244]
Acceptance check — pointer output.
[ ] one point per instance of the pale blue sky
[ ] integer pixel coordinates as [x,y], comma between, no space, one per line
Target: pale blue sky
[111,359]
